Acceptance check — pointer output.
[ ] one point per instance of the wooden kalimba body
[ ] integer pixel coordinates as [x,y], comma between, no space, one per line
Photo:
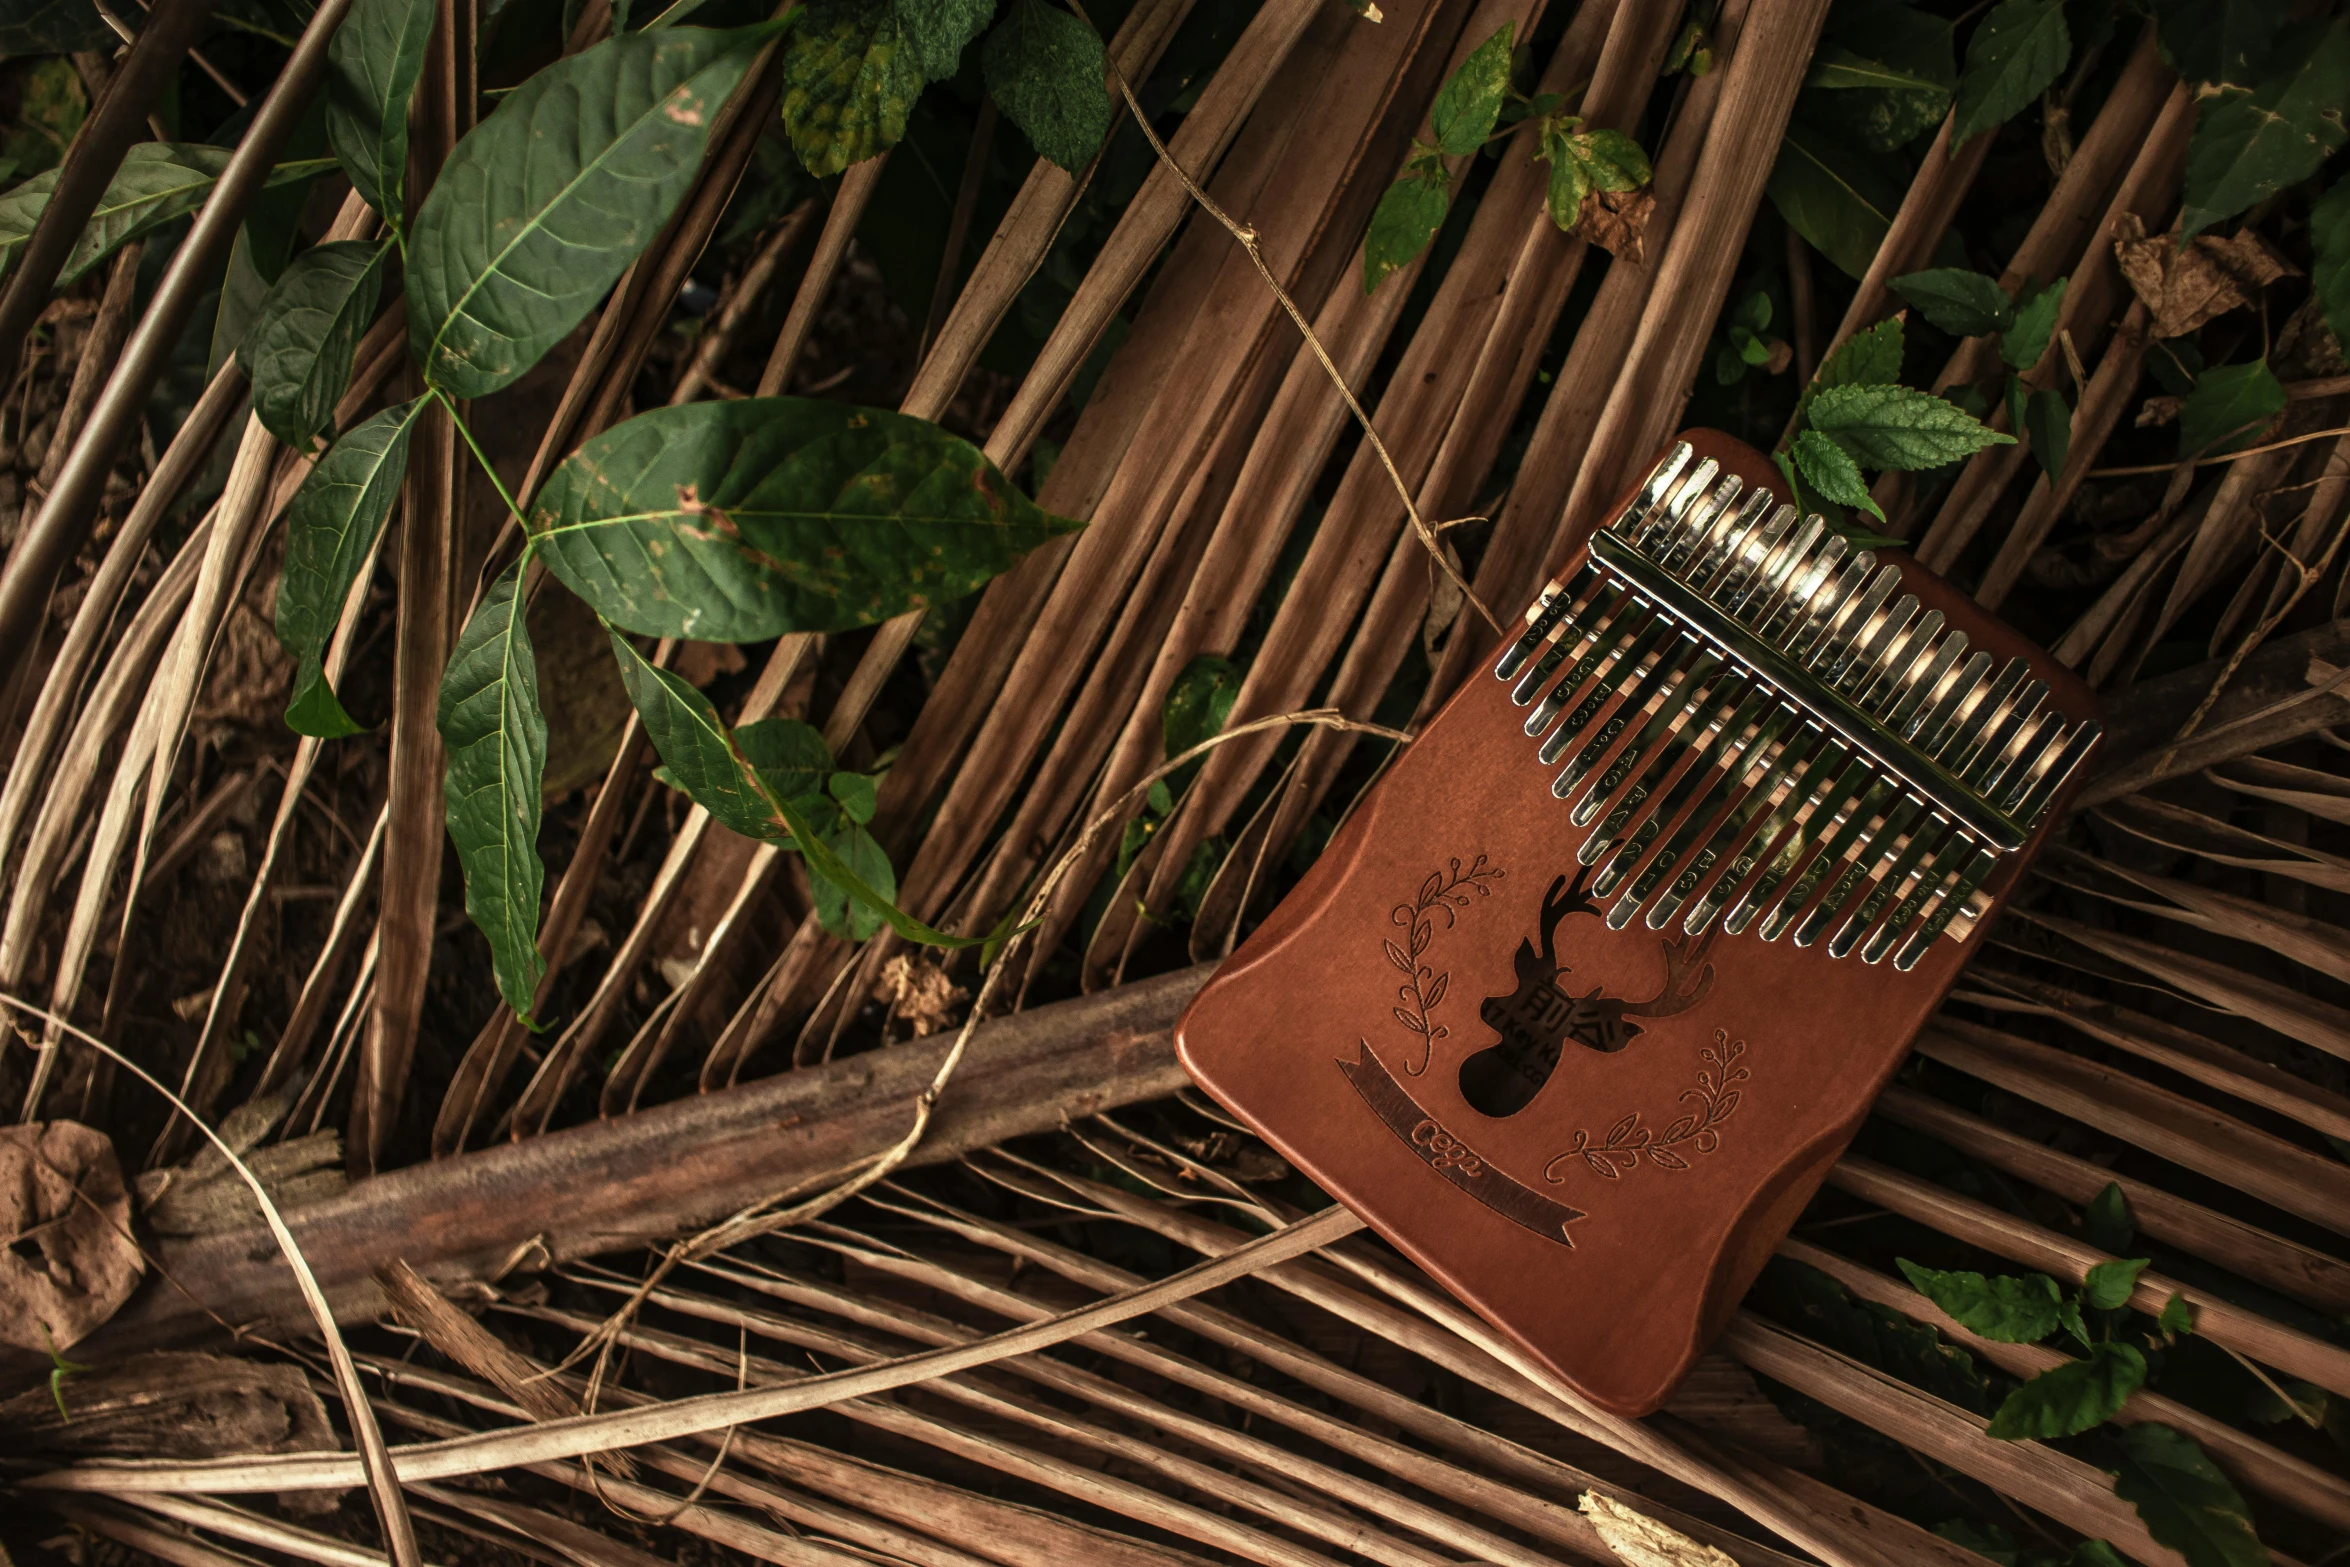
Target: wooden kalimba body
[1589,991]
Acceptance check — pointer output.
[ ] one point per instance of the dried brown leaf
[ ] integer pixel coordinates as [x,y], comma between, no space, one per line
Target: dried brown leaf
[171,1405]
[2185,286]
[68,1262]
[1616,221]
[1643,1542]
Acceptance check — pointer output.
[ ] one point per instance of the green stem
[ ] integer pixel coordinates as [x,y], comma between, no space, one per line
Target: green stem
[474,446]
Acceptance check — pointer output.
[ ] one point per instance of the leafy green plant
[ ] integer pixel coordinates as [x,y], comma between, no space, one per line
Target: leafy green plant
[1475,107]
[1965,303]
[1856,416]
[735,521]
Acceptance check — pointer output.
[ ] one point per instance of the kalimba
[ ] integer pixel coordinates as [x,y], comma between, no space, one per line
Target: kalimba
[1589,991]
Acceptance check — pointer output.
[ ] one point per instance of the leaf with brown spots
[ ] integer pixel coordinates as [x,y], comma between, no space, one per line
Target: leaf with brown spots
[67,1262]
[738,521]
[2184,287]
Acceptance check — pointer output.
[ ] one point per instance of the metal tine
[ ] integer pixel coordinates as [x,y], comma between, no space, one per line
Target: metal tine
[1668,518]
[1783,544]
[1948,901]
[1957,848]
[1920,685]
[1975,714]
[1875,642]
[1901,661]
[1864,850]
[2014,714]
[1652,493]
[1555,605]
[1593,630]
[1810,634]
[1669,686]
[1893,884]
[1783,776]
[1750,555]
[1727,547]
[1604,689]
[1818,821]
[2035,742]
[1704,696]
[2031,796]
[1751,731]
[1833,655]
[1740,729]
[1956,686]
[1683,549]
[1791,610]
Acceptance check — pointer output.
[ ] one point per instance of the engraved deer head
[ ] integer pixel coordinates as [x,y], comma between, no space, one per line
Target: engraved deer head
[1536,1020]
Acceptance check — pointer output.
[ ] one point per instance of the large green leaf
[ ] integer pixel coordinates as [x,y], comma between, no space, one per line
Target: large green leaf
[2014,1309]
[2229,406]
[2223,42]
[497,743]
[2250,144]
[708,763]
[937,30]
[2069,1399]
[158,181]
[2036,315]
[737,521]
[2017,52]
[372,70]
[1831,472]
[545,203]
[2110,1285]
[842,915]
[1403,223]
[299,351]
[1899,427]
[331,525]
[1884,71]
[850,77]
[2186,1502]
[1960,302]
[1044,68]
[1470,100]
[1839,198]
[790,757]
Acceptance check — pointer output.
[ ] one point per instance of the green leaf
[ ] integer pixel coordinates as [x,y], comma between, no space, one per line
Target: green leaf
[545,203]
[1840,198]
[2016,54]
[2074,1397]
[157,182]
[2107,1223]
[790,757]
[1830,471]
[2036,315]
[1584,161]
[850,77]
[497,742]
[2230,405]
[1817,1305]
[2250,144]
[373,66]
[2014,1309]
[1199,702]
[2048,421]
[331,525]
[299,351]
[1470,100]
[738,521]
[705,761]
[1834,67]
[2225,42]
[1405,220]
[857,794]
[2178,1316]
[938,30]
[1871,358]
[2095,1553]
[2329,266]
[2110,1285]
[53,27]
[1898,427]
[1960,302]
[2187,1504]
[1044,68]
[836,911]
[1884,73]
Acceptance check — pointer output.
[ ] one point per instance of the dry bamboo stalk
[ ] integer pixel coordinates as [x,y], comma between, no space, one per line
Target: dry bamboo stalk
[2252,1463]
[2185,1131]
[2320,518]
[2225,1324]
[2315,1023]
[832,249]
[892,1511]
[1445,1334]
[989,1398]
[2191,832]
[1512,260]
[2039,1476]
[2207,1061]
[2312,943]
[742,296]
[1758,92]
[1381,1501]
[293,1042]
[1479,1447]
[163,1544]
[248,1528]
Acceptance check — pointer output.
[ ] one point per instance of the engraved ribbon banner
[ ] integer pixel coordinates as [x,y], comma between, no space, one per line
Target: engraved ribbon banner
[1451,1158]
